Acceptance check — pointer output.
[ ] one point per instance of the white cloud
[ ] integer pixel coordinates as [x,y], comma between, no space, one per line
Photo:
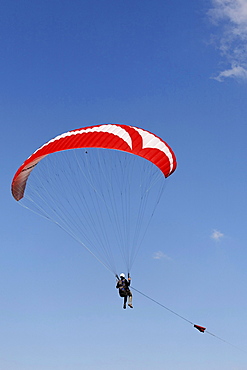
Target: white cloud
[237,72]
[216,235]
[160,255]
[231,18]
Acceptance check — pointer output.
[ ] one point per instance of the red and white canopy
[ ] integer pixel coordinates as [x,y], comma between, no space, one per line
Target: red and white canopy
[109,136]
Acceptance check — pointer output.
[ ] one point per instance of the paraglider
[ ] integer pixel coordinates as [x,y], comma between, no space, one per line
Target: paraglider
[124,290]
[101,184]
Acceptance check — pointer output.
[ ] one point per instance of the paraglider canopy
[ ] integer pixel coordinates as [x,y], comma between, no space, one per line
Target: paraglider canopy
[101,184]
[112,136]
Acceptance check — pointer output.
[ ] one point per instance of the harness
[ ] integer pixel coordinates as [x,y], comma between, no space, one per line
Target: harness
[123,289]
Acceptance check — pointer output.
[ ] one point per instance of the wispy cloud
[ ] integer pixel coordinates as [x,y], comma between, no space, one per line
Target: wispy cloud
[160,255]
[237,72]
[216,235]
[231,18]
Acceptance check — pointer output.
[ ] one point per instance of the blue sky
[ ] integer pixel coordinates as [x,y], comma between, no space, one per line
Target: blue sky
[177,69]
